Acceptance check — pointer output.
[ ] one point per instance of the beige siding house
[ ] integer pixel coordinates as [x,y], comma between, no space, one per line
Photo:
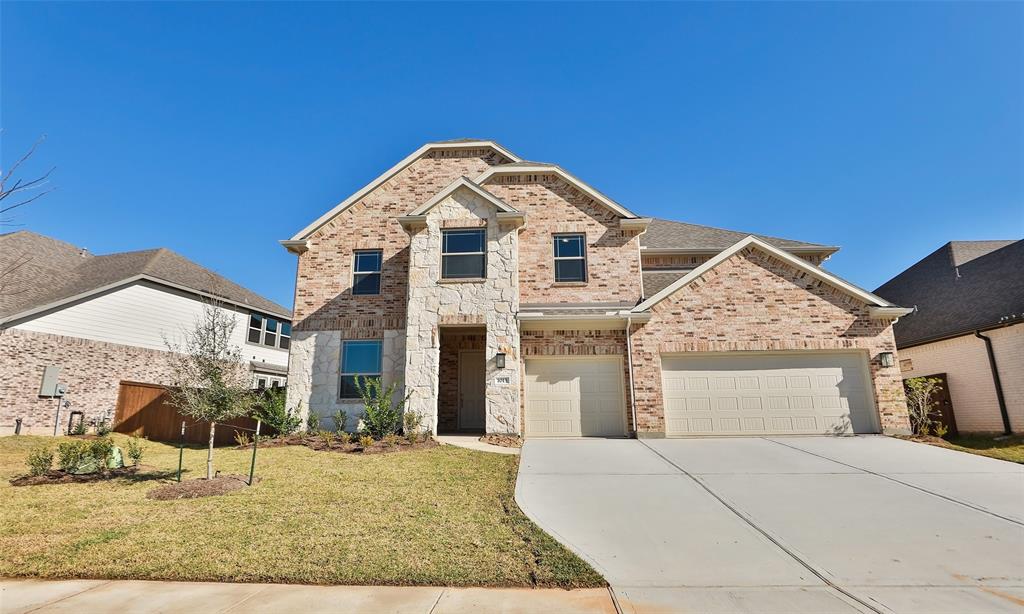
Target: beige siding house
[969,327]
[509,296]
[95,321]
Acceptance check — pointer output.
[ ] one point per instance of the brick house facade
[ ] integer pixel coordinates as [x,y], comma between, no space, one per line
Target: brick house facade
[565,353]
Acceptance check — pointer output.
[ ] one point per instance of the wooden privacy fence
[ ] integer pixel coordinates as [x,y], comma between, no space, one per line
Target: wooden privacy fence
[146,410]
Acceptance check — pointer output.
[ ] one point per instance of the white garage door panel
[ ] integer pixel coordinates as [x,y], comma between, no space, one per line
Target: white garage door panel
[574,397]
[746,394]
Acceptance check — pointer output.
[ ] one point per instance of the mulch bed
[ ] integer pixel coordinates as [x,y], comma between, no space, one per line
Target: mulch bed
[56,476]
[319,444]
[505,441]
[201,487]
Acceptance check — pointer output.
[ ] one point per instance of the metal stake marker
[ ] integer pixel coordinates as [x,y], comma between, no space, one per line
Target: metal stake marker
[255,442]
[181,448]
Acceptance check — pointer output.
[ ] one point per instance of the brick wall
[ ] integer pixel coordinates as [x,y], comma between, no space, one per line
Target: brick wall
[964,360]
[755,302]
[92,372]
[653,262]
[553,206]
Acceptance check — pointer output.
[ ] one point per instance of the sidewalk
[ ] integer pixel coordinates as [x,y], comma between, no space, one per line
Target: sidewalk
[87,596]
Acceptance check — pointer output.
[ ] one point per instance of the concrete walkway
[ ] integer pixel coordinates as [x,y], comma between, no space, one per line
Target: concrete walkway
[473,443]
[812,524]
[88,596]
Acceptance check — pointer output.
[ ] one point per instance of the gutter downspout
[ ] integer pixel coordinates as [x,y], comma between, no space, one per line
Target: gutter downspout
[632,388]
[995,380]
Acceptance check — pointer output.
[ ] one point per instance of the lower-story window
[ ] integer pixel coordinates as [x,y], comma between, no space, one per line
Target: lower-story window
[358,359]
[265,380]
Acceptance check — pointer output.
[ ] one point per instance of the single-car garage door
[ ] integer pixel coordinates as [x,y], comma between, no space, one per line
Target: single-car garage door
[754,394]
[574,397]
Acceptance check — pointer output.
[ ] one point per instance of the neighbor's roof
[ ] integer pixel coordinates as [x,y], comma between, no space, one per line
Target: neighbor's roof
[46,272]
[961,287]
[667,234]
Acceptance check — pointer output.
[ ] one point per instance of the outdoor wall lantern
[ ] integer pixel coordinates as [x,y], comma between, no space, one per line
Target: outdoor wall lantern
[499,360]
[886,359]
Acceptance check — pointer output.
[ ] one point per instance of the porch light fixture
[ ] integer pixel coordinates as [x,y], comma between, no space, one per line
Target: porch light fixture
[499,360]
[886,359]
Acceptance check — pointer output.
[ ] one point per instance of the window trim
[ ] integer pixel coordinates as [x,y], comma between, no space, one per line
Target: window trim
[278,331]
[341,366]
[378,272]
[583,256]
[483,254]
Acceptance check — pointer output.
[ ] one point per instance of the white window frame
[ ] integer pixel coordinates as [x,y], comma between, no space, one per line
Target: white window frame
[483,253]
[378,272]
[583,256]
[269,381]
[341,365]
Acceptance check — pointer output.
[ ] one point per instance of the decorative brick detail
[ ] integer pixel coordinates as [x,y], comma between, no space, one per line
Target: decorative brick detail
[755,302]
[653,262]
[91,370]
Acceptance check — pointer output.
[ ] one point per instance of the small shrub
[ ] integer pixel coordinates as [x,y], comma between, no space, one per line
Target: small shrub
[40,460]
[313,422]
[242,439]
[83,456]
[344,437]
[381,415]
[80,427]
[271,410]
[411,423]
[339,418]
[103,428]
[135,450]
[366,441]
[920,392]
[327,437]
[940,430]
[100,451]
[390,440]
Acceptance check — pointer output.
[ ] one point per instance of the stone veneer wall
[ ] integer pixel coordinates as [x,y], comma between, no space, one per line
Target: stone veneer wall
[91,370]
[755,302]
[492,302]
[592,342]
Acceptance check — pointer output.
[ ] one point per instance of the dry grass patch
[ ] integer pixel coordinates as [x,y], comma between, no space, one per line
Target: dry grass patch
[441,516]
[1009,448]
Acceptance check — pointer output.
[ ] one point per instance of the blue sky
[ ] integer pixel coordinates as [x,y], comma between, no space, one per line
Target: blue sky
[218,129]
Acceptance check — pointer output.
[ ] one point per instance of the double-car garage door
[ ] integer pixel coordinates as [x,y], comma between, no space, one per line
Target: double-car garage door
[764,393]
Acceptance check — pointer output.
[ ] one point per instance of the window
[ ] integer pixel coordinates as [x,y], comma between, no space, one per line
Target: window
[570,258]
[462,254]
[264,330]
[360,358]
[366,272]
[263,380]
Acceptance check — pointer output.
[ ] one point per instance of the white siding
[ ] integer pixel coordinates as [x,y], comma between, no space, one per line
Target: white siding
[964,360]
[141,315]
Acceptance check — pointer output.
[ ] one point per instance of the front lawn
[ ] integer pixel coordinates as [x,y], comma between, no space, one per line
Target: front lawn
[443,516]
[1008,449]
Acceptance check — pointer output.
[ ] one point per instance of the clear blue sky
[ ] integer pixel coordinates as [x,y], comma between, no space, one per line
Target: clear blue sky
[217,129]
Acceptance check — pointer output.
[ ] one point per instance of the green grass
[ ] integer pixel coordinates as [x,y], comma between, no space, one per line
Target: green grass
[1008,449]
[444,516]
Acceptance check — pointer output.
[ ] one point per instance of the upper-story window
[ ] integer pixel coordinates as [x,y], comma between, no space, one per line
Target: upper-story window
[463,254]
[271,332]
[570,257]
[366,271]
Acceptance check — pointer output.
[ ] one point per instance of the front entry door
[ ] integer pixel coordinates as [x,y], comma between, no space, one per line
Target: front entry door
[471,390]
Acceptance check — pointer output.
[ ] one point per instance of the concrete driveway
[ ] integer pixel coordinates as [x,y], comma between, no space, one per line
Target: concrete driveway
[784,524]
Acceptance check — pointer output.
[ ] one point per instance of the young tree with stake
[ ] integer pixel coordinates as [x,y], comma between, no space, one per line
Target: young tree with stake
[211,383]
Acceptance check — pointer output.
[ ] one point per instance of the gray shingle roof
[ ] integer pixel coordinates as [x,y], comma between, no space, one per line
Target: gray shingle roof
[655,281]
[46,271]
[667,234]
[958,288]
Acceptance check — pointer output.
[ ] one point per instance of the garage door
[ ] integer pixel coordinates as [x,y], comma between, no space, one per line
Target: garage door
[748,394]
[573,397]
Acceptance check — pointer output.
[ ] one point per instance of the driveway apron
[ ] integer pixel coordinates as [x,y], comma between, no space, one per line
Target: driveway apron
[811,524]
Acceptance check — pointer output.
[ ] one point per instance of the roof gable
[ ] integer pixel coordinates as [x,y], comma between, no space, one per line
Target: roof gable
[518,168]
[391,172]
[879,306]
[467,184]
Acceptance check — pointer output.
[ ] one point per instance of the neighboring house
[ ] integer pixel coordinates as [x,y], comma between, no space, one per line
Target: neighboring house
[95,321]
[508,296]
[969,327]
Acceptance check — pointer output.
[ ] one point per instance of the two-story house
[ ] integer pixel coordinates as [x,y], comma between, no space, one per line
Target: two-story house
[85,323]
[508,296]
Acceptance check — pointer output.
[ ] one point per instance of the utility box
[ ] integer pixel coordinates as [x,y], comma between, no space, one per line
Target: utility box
[50,387]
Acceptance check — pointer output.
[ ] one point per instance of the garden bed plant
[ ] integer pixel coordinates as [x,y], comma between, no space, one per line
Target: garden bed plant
[79,459]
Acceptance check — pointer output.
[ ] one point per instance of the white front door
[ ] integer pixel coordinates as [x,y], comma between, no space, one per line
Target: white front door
[575,396]
[472,387]
[767,393]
